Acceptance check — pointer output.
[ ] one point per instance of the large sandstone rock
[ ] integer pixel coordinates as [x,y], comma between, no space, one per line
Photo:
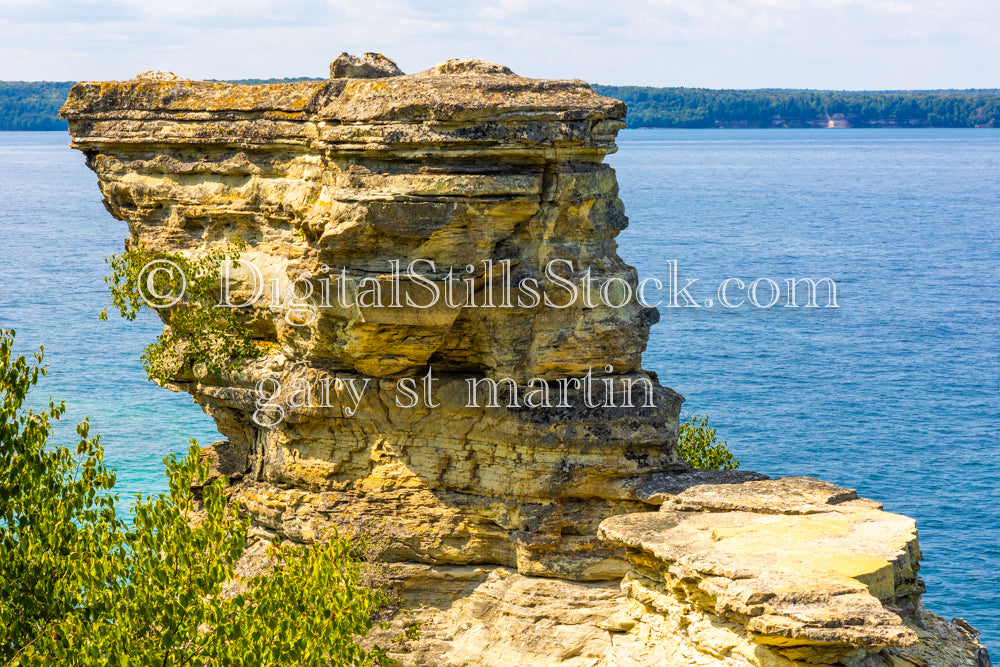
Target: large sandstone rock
[464,165]
[517,535]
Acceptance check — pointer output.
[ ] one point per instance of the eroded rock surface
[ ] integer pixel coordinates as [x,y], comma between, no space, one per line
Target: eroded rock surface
[371,66]
[519,535]
[465,168]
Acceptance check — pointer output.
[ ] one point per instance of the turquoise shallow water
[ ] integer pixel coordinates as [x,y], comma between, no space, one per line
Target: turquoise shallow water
[894,393]
[54,234]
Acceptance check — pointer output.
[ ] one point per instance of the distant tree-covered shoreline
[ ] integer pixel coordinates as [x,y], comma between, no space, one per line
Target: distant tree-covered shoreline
[34,105]
[706,108]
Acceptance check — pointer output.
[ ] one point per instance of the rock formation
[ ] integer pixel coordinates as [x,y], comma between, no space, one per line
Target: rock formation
[520,534]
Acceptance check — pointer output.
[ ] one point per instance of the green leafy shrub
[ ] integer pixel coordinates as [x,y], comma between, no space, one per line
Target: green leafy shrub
[197,330]
[80,586]
[701,447]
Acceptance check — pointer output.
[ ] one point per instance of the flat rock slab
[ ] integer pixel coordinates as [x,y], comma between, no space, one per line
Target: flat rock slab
[796,560]
[787,495]
[659,488]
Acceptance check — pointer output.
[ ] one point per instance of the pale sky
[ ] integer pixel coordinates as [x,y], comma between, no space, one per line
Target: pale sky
[829,44]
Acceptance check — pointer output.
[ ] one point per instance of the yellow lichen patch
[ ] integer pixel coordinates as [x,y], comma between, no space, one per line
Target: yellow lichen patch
[783,530]
[874,572]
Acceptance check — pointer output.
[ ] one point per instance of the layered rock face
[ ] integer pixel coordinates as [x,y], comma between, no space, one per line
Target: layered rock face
[480,181]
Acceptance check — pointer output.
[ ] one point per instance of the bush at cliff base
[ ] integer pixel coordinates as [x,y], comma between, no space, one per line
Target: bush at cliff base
[80,586]
[700,446]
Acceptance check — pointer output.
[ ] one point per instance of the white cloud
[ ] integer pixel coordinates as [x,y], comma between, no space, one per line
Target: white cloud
[715,43]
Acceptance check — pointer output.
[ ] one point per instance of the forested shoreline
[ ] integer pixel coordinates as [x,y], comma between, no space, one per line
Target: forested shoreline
[706,108]
[34,105]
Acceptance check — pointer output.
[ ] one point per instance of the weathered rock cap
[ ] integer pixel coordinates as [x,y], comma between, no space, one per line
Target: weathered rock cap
[361,90]
[156,75]
[371,66]
[468,67]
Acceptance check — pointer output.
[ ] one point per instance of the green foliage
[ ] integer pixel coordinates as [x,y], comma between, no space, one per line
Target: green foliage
[32,105]
[198,331]
[57,519]
[703,107]
[701,447]
[79,586]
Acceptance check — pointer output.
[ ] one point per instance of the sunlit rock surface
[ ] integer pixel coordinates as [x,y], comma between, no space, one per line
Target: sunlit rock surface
[519,535]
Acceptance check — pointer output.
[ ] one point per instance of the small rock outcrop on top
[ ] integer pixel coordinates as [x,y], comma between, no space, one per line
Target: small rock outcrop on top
[523,527]
[371,66]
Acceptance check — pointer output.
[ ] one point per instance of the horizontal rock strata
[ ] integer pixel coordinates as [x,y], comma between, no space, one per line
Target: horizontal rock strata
[568,534]
[465,165]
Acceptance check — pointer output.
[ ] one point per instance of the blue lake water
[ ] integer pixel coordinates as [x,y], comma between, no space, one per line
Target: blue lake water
[895,393]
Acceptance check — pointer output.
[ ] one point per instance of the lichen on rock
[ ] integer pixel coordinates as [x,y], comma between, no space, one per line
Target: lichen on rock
[562,535]
[371,66]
